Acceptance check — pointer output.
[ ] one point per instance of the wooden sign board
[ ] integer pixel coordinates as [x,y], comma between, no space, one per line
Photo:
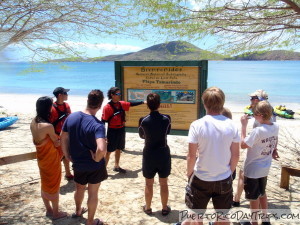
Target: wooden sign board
[179,84]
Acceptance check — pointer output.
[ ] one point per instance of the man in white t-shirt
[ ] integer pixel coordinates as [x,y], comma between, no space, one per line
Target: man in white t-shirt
[215,139]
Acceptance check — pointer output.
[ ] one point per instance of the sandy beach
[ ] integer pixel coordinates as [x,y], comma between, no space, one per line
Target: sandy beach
[121,197]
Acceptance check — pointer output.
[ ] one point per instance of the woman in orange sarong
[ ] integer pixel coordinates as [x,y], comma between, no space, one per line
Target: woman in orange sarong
[48,157]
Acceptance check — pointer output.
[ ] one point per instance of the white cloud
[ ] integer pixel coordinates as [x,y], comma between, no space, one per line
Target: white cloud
[19,52]
[102,46]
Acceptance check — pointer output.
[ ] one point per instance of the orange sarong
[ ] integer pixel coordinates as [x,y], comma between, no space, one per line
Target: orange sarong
[49,162]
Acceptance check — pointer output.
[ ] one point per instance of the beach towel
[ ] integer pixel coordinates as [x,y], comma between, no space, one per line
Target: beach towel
[49,162]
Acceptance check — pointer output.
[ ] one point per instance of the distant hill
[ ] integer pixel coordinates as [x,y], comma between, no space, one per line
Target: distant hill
[184,51]
[268,55]
[174,50]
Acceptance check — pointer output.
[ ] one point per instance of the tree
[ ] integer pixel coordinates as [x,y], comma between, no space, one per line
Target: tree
[57,22]
[238,25]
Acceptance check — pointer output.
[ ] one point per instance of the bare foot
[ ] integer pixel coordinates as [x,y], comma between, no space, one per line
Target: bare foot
[59,215]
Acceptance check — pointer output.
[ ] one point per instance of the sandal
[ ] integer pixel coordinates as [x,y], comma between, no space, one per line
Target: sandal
[147,211]
[98,222]
[70,177]
[166,212]
[119,169]
[83,211]
[60,216]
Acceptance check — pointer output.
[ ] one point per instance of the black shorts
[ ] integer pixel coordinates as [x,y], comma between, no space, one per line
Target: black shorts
[199,192]
[115,139]
[255,187]
[160,164]
[91,177]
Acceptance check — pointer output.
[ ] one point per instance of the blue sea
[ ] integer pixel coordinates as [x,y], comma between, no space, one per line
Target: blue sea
[281,79]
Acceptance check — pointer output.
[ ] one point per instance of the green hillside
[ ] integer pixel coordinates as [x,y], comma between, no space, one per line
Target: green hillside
[268,55]
[184,51]
[174,50]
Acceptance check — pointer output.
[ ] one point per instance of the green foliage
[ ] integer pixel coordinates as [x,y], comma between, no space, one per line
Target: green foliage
[54,23]
[237,25]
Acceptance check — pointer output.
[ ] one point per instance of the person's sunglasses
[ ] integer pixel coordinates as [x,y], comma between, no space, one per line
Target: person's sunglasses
[118,94]
[253,97]
[65,93]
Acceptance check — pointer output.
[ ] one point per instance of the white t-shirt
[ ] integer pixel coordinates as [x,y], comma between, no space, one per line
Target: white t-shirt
[214,136]
[262,142]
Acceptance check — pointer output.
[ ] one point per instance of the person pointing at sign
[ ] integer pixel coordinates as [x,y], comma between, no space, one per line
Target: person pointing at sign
[114,114]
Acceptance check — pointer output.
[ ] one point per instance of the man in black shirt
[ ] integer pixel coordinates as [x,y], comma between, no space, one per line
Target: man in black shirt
[156,154]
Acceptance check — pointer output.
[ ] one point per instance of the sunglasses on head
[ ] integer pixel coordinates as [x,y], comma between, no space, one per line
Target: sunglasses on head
[118,94]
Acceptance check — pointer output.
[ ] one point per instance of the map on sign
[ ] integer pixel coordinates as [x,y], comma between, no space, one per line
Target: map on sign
[166,96]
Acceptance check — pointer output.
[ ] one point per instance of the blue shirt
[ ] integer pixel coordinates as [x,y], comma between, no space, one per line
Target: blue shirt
[83,130]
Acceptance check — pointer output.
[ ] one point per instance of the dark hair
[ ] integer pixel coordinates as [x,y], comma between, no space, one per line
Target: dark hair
[43,109]
[153,101]
[112,91]
[95,99]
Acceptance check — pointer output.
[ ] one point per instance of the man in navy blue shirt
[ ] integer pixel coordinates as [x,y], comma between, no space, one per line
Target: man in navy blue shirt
[83,143]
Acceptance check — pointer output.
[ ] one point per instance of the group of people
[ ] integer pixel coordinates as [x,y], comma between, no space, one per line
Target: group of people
[79,138]
[213,151]
[213,155]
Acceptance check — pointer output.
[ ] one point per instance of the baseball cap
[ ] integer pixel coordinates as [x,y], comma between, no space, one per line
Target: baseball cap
[60,90]
[261,94]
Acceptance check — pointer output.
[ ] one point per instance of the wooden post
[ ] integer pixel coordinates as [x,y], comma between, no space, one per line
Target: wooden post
[286,172]
[17,158]
[285,178]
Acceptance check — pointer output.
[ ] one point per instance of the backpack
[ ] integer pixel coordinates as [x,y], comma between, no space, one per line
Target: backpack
[61,114]
[116,112]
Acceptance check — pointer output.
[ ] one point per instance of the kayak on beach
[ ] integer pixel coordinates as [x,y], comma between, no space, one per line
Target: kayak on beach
[283,112]
[7,121]
[248,110]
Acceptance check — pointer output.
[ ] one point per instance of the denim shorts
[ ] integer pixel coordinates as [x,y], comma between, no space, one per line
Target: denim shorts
[199,192]
[255,187]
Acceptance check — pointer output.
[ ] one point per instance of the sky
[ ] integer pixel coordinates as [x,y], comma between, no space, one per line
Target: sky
[100,46]
[96,47]
[93,47]
[107,46]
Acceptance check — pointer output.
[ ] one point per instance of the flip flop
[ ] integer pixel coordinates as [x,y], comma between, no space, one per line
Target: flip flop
[62,215]
[98,222]
[166,212]
[49,215]
[70,177]
[147,211]
[83,211]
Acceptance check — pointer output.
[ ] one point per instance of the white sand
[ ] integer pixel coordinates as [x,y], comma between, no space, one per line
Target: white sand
[121,196]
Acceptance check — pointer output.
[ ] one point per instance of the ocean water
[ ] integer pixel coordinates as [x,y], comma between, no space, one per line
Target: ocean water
[281,79]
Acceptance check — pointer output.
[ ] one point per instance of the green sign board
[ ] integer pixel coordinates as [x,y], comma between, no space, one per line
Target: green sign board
[180,85]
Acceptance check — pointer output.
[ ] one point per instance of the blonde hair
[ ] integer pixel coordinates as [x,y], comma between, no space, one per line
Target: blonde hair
[213,99]
[263,108]
[226,112]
